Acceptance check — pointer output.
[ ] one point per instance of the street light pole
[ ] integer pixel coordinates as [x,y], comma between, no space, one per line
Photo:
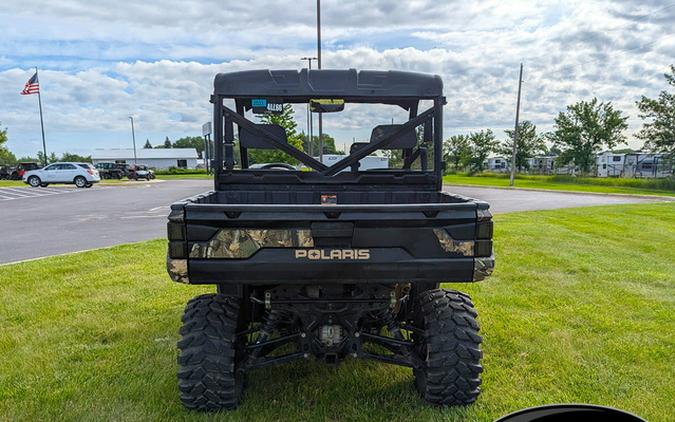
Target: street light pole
[310,130]
[133,137]
[318,62]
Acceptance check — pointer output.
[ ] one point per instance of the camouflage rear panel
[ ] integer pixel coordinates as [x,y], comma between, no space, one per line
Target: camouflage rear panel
[462,247]
[243,243]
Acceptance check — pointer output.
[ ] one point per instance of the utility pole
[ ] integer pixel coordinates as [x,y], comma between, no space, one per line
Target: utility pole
[133,137]
[318,61]
[310,129]
[515,131]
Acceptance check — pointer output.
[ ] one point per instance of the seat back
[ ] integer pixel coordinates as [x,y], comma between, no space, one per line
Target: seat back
[407,139]
[248,139]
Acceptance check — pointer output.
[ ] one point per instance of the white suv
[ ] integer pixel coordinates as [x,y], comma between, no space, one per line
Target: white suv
[83,175]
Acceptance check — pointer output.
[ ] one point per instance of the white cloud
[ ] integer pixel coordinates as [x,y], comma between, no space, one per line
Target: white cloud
[102,61]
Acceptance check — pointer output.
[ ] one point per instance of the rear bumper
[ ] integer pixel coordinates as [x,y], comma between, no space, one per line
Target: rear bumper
[275,268]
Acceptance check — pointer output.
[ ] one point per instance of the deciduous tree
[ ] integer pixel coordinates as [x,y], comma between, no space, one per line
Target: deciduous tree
[6,156]
[586,128]
[659,132]
[196,142]
[67,156]
[457,151]
[482,144]
[529,145]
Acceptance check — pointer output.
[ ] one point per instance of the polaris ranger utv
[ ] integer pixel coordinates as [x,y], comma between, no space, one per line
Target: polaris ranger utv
[328,262]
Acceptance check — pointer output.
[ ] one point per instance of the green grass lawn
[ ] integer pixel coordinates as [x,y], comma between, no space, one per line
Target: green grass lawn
[568,183]
[11,183]
[581,308]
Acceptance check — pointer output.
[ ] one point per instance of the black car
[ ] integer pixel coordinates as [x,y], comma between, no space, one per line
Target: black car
[335,262]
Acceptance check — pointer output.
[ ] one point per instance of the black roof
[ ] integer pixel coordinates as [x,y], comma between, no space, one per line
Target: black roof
[327,83]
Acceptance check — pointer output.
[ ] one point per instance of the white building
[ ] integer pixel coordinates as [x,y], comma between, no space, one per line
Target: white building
[636,164]
[610,164]
[498,164]
[642,164]
[157,158]
[543,164]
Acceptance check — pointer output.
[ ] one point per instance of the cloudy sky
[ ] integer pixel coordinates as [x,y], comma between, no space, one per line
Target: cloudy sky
[101,61]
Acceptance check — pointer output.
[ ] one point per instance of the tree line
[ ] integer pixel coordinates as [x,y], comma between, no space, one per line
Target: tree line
[579,133]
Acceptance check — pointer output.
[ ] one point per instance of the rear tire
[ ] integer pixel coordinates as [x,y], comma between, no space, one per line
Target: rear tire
[450,348]
[34,181]
[207,375]
[80,182]
[44,185]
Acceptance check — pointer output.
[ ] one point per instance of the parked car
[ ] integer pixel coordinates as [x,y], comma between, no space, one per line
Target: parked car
[110,170]
[83,175]
[21,168]
[140,171]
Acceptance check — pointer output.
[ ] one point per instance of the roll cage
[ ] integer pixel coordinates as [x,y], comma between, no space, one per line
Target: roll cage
[403,89]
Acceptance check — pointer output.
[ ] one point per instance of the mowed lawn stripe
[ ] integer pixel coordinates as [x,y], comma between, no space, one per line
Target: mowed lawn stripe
[580,309]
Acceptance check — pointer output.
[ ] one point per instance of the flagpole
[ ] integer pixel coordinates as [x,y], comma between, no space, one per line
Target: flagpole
[42,124]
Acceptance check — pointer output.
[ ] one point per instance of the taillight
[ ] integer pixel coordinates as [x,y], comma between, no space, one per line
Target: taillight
[90,171]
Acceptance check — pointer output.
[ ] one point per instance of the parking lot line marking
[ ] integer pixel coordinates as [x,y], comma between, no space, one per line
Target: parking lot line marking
[31,193]
[19,194]
[26,191]
[55,190]
[8,194]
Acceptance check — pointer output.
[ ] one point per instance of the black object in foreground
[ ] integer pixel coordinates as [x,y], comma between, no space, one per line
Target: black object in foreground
[333,262]
[570,412]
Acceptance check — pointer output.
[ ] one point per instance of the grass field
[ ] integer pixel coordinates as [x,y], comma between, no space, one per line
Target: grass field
[568,183]
[580,309]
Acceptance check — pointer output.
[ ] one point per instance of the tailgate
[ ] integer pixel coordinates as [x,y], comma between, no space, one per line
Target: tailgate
[376,243]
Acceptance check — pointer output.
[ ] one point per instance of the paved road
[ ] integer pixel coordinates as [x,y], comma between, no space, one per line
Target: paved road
[512,200]
[36,222]
[77,219]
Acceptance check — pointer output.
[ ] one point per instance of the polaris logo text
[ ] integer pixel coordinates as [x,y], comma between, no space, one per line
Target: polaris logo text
[341,254]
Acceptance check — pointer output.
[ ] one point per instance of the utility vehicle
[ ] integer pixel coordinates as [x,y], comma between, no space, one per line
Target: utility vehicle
[332,263]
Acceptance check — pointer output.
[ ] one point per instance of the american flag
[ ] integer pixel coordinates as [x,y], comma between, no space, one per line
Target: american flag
[32,86]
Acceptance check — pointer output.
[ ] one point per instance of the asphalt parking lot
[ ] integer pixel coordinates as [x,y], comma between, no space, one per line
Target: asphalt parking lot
[37,222]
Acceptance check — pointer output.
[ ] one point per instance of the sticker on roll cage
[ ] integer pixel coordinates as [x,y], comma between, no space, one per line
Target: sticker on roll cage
[332,254]
[264,106]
